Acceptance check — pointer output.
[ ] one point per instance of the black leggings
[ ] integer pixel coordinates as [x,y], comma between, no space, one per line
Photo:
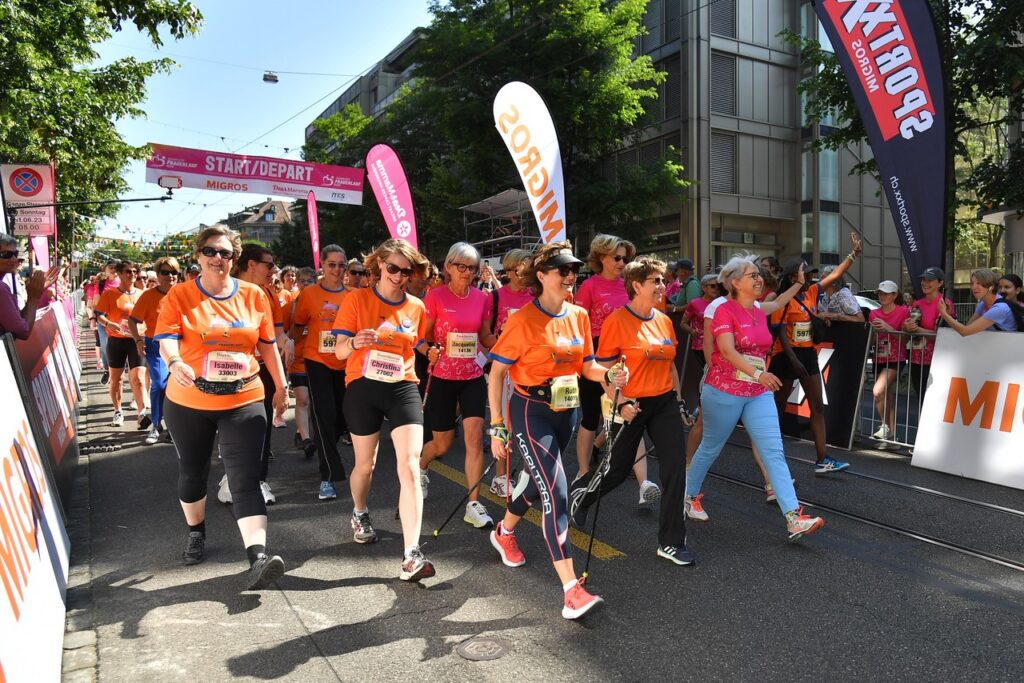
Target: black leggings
[326,396]
[659,417]
[268,429]
[241,430]
[539,435]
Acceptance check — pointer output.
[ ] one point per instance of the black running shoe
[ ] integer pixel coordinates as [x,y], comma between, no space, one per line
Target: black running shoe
[196,548]
[297,440]
[346,439]
[678,554]
[105,377]
[309,448]
[264,571]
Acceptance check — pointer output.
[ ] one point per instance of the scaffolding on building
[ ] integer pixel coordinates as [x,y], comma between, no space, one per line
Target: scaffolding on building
[500,223]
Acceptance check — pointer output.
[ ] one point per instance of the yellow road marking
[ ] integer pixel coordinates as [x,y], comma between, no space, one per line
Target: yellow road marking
[581,540]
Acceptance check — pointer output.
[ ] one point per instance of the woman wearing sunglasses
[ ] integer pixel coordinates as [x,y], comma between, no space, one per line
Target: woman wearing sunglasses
[209,330]
[544,349]
[20,322]
[355,277]
[600,295]
[645,337]
[112,312]
[380,327]
[145,313]
[459,321]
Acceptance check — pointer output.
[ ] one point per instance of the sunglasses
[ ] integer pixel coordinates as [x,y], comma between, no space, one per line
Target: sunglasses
[564,270]
[621,259]
[8,254]
[358,273]
[169,273]
[462,267]
[395,270]
[210,252]
[656,280]
[130,271]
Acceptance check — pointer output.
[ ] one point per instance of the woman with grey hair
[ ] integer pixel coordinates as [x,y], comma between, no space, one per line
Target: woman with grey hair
[459,320]
[738,387]
[837,301]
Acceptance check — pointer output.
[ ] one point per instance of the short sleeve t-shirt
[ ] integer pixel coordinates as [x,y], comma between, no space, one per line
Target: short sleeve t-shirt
[117,306]
[798,320]
[999,313]
[217,338]
[147,308]
[284,301]
[510,301]
[599,296]
[923,348]
[751,337]
[649,345]
[400,326]
[890,348]
[317,309]
[540,345]
[694,316]
[457,323]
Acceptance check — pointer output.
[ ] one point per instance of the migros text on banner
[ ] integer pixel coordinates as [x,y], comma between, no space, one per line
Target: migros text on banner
[533,170]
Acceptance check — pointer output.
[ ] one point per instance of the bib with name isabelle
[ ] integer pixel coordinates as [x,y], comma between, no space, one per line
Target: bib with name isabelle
[382,366]
[225,366]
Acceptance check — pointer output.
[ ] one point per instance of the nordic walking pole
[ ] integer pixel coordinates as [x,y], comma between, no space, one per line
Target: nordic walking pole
[466,497]
[430,376]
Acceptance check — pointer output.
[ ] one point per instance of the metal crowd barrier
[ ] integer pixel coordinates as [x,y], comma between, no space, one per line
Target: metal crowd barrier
[902,398]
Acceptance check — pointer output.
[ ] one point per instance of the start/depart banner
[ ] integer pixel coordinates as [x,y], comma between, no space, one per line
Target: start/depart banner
[890,55]
[206,170]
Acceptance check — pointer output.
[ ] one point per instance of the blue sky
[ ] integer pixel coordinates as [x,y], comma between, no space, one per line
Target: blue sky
[216,98]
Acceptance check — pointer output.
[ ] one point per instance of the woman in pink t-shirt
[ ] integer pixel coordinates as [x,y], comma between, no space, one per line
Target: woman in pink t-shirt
[922,322]
[890,355]
[459,322]
[738,387]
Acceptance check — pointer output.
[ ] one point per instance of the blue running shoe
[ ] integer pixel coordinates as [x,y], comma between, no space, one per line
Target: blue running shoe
[830,465]
[327,491]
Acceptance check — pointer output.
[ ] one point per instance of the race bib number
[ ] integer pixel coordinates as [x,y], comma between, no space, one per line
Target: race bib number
[802,332]
[756,361]
[225,366]
[124,329]
[382,366]
[327,342]
[883,348]
[565,392]
[461,345]
[606,410]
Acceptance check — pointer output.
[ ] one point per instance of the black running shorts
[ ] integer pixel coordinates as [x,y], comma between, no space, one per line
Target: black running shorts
[446,395]
[121,351]
[368,402]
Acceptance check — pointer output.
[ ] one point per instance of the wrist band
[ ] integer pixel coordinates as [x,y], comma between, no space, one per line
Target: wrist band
[352,343]
[171,362]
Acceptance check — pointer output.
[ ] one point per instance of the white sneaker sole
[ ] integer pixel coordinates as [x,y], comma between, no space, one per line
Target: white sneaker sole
[580,611]
[478,523]
[650,497]
[695,516]
[795,536]
[501,551]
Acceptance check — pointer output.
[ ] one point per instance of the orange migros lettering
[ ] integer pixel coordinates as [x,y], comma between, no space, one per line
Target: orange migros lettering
[984,402]
[506,119]
[19,505]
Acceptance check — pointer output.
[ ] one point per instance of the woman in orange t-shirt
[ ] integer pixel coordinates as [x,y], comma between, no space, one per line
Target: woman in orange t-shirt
[544,348]
[209,329]
[642,335]
[112,312]
[297,378]
[146,310]
[381,326]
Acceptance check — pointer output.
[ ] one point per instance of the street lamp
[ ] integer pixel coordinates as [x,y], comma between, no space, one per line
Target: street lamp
[269,77]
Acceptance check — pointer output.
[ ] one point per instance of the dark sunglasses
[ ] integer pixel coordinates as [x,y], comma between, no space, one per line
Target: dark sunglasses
[8,254]
[395,270]
[564,270]
[621,259]
[359,273]
[656,280]
[462,267]
[210,252]
[169,273]
[269,264]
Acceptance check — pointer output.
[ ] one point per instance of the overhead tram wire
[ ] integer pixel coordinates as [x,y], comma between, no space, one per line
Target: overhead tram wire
[245,67]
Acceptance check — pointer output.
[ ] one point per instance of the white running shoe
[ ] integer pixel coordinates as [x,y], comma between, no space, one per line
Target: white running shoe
[268,496]
[152,437]
[476,514]
[693,509]
[223,492]
[424,482]
[649,493]
[118,420]
[883,432]
[499,486]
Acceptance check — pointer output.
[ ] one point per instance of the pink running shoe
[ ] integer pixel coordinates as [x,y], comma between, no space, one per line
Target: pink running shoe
[578,601]
[505,544]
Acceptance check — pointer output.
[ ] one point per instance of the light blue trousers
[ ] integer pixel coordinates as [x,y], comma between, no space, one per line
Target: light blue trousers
[722,412]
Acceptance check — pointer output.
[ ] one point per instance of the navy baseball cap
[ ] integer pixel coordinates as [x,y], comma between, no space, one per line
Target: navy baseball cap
[933,273]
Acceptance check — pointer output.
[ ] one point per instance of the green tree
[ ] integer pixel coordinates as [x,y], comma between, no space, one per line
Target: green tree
[54,104]
[577,53]
[981,45]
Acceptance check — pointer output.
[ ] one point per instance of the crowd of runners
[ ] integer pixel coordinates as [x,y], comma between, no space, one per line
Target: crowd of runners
[521,357]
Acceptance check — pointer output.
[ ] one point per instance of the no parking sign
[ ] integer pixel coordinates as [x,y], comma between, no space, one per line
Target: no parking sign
[29,184]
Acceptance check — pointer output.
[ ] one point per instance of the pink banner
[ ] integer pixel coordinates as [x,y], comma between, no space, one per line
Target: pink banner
[256,175]
[42,251]
[387,178]
[314,228]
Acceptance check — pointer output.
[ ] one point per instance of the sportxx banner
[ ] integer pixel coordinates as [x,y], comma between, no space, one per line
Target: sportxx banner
[890,55]
[525,125]
[387,178]
[29,184]
[972,422]
[207,170]
[314,227]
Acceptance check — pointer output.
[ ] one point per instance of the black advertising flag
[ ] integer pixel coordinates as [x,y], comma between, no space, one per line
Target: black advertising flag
[890,55]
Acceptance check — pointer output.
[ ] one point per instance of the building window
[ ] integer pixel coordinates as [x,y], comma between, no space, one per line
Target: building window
[673,88]
[269,215]
[723,17]
[723,163]
[807,175]
[828,233]
[651,40]
[828,174]
[723,84]
[807,234]
[673,20]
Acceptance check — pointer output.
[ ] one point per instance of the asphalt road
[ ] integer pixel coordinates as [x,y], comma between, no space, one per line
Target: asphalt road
[852,602]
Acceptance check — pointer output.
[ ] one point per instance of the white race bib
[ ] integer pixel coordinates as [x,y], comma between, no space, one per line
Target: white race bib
[461,345]
[124,329]
[225,366]
[757,362]
[383,366]
[802,331]
[327,342]
[565,392]
[883,347]
[606,410]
